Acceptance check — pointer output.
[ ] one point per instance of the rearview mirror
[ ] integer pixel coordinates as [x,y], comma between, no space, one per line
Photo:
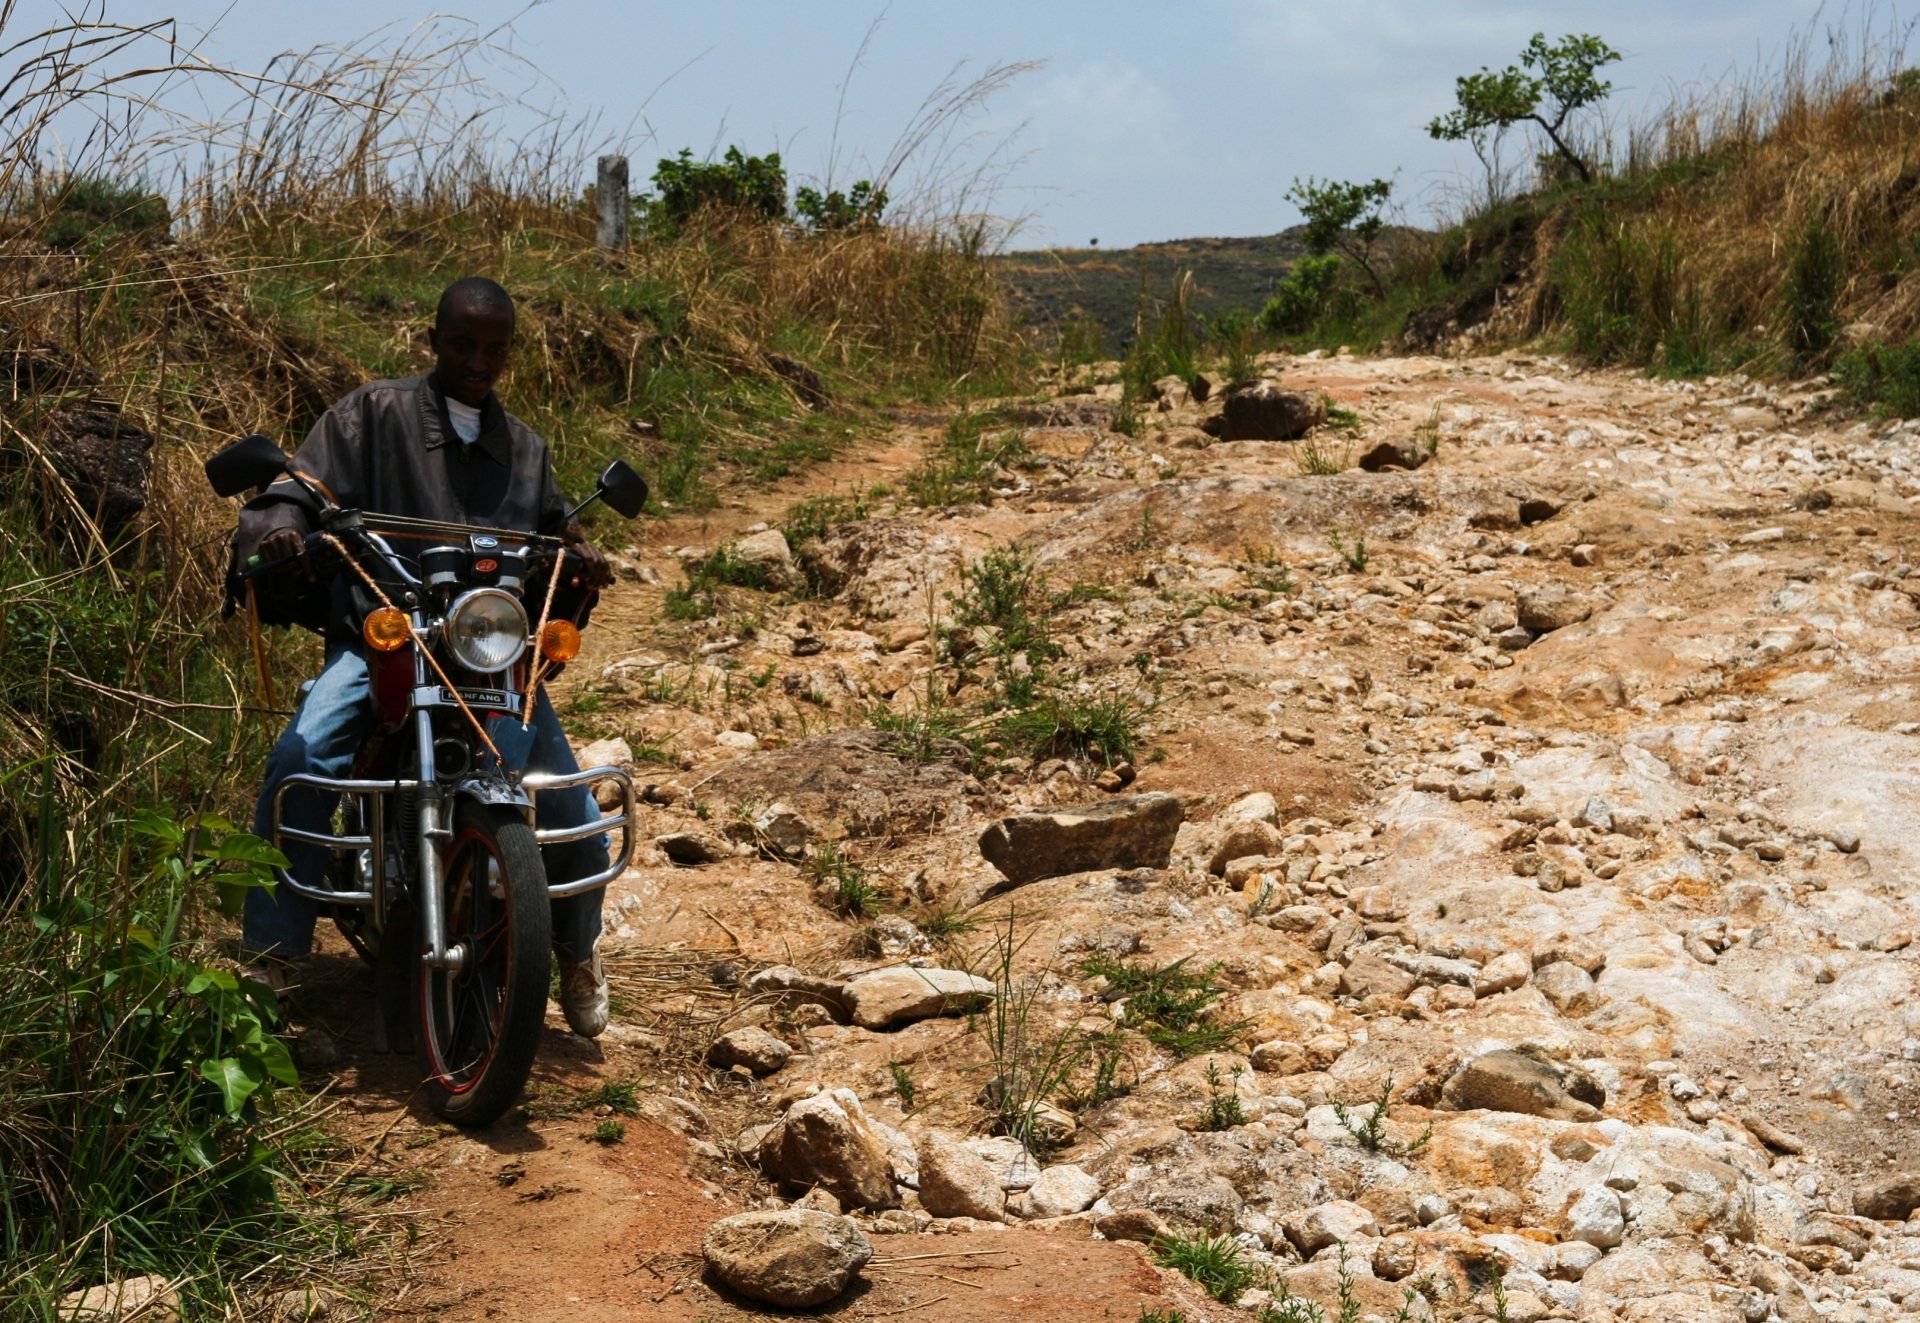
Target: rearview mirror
[250,462]
[623,489]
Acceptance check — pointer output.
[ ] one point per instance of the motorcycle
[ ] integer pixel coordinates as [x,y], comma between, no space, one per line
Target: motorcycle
[435,874]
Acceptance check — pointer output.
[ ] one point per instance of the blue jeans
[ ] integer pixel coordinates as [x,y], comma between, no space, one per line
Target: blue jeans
[333,721]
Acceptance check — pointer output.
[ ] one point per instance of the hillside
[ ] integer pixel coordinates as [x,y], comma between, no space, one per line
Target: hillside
[1228,274]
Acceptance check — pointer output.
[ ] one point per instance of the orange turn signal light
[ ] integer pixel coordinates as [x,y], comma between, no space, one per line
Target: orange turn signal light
[560,641]
[386,629]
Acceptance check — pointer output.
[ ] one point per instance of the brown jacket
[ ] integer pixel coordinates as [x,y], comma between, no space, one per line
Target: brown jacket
[388,448]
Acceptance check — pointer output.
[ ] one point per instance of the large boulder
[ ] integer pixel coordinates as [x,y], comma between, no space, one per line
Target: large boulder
[793,1257]
[828,1140]
[1510,1081]
[1134,831]
[888,998]
[1262,411]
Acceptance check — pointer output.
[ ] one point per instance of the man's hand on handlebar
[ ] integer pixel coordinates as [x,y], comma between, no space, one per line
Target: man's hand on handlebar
[288,545]
[588,567]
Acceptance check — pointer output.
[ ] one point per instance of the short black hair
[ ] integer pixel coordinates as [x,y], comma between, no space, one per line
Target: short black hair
[475,292]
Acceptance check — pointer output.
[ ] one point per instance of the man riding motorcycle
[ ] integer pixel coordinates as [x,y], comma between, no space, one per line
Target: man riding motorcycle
[435,447]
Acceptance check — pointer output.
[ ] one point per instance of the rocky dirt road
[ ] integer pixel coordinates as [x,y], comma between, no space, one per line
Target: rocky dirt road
[1557,791]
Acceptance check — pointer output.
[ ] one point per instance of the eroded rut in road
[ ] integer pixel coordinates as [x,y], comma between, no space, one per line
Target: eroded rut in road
[1558,790]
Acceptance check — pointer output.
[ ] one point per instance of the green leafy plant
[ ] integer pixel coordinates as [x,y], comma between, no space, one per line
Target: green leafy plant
[608,1132]
[1171,1005]
[1031,1058]
[1319,456]
[1304,296]
[1344,218]
[1886,376]
[1368,1126]
[1562,75]
[1216,1264]
[963,467]
[1816,272]
[1351,546]
[853,896]
[1222,1110]
[903,1087]
[1161,1315]
[754,186]
[837,210]
[1065,726]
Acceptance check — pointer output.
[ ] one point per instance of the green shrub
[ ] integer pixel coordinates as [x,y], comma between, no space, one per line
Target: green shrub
[753,186]
[1170,1005]
[1216,1264]
[1816,270]
[861,205]
[144,1129]
[1057,726]
[1304,296]
[1886,376]
[87,209]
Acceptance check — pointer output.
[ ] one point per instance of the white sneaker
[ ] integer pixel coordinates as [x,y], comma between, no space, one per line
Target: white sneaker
[583,995]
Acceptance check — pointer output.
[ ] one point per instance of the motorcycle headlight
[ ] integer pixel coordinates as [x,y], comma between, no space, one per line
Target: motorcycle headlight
[486,629]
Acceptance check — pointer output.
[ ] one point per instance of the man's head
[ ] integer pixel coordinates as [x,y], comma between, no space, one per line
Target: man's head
[472,335]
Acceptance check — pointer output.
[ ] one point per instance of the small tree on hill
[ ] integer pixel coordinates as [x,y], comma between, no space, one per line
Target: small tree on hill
[1549,84]
[753,185]
[1343,218]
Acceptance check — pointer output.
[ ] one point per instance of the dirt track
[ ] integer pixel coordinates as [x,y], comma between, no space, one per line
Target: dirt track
[1735,677]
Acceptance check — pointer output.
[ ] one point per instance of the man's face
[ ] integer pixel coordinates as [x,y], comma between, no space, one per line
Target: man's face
[470,351]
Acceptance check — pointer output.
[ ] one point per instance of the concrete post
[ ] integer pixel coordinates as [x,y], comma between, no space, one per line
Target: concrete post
[612,198]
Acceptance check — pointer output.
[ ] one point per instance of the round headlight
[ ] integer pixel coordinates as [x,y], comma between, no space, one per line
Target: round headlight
[486,629]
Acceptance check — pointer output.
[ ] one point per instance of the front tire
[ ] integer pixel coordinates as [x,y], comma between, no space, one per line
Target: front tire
[479,1028]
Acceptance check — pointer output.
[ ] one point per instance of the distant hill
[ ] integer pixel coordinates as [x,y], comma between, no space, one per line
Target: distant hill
[1227,273]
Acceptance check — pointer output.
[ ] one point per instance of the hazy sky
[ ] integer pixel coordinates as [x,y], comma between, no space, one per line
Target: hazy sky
[1145,121]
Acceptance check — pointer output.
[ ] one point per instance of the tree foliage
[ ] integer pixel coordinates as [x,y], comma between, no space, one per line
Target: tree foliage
[1550,83]
[860,205]
[755,185]
[1343,218]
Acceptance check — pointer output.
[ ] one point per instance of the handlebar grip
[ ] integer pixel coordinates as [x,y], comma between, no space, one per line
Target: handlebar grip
[256,566]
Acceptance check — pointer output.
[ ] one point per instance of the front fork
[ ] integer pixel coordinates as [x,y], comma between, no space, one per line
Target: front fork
[433,835]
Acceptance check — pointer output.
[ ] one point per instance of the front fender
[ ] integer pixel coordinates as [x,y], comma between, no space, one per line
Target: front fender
[493,790]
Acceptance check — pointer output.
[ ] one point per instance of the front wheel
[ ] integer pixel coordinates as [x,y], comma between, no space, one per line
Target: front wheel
[479,1027]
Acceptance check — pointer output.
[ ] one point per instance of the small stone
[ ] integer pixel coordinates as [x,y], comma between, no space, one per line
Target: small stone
[150,1299]
[956,1182]
[827,1139]
[1846,842]
[889,998]
[1889,1199]
[1570,988]
[1137,1224]
[1543,610]
[1134,831]
[693,848]
[1060,1192]
[1511,1081]
[795,1258]
[753,1047]
[1506,971]
[1597,1218]
[1313,1229]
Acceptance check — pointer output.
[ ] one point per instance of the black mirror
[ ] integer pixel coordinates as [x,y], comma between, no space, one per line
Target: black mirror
[250,462]
[623,489]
